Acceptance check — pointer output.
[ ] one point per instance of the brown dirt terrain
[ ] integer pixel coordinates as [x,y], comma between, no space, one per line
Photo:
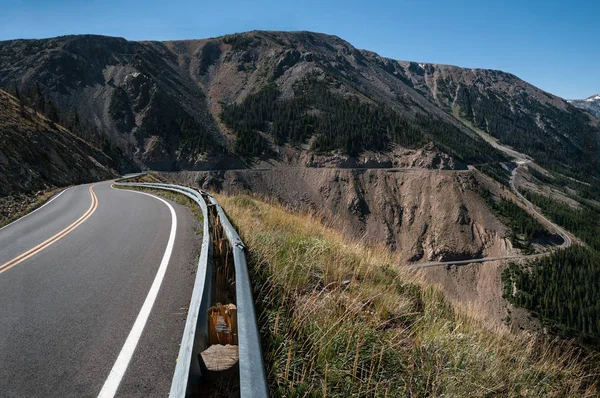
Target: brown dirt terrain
[478,288]
[426,215]
[423,214]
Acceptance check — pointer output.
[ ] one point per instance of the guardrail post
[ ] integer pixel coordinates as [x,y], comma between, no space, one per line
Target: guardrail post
[253,380]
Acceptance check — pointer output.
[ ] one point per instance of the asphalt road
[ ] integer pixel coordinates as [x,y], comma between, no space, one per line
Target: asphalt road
[558,230]
[474,261]
[89,299]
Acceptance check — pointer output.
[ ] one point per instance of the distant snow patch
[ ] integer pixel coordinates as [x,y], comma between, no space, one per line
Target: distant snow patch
[594,98]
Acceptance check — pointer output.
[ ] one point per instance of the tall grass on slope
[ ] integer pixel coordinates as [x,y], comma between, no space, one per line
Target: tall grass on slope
[339,319]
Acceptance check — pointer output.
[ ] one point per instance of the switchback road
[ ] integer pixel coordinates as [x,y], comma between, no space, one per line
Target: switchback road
[558,230]
[94,289]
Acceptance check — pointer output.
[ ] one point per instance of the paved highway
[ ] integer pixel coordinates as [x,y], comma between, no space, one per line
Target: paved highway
[94,289]
[474,261]
[558,230]
[562,233]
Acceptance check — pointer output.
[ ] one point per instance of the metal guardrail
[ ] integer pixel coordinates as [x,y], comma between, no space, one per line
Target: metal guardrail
[253,381]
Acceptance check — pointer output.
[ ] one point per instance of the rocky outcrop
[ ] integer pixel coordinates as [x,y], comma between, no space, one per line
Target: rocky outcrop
[424,215]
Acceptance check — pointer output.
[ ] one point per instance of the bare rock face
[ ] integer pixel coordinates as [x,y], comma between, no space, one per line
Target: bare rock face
[425,215]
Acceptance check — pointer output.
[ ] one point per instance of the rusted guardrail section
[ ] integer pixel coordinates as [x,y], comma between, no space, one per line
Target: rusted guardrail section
[187,378]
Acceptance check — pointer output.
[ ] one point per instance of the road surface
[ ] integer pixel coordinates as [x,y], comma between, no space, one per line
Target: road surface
[93,290]
[559,231]
[562,233]
[474,261]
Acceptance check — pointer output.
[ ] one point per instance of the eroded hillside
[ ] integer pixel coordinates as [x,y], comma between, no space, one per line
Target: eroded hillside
[37,154]
[424,215]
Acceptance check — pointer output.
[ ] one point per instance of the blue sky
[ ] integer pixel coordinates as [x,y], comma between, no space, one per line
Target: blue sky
[552,44]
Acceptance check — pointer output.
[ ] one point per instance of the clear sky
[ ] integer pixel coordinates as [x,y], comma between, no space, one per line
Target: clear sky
[553,44]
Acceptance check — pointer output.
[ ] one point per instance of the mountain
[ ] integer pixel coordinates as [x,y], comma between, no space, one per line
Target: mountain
[290,98]
[519,115]
[591,104]
[37,154]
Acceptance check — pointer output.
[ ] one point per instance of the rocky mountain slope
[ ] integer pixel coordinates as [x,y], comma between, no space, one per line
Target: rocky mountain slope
[591,104]
[532,121]
[132,94]
[288,98]
[37,154]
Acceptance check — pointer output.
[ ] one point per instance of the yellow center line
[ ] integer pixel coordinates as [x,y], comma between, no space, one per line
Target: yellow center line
[50,241]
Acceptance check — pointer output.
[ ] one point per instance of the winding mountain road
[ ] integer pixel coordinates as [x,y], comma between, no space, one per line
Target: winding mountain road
[559,231]
[93,290]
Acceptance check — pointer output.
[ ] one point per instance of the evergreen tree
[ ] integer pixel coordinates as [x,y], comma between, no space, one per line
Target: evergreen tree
[339,123]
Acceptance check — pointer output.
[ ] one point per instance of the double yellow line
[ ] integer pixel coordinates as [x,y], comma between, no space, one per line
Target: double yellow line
[50,241]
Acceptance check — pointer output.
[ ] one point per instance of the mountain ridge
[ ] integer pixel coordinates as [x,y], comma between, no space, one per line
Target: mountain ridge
[590,104]
[163,103]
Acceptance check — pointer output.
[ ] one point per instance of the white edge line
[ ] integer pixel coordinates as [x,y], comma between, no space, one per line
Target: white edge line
[111,385]
[39,208]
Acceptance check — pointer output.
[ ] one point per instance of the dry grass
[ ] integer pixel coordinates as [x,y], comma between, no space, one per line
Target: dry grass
[340,319]
[148,177]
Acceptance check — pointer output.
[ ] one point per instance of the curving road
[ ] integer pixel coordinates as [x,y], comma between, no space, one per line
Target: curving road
[561,232]
[558,230]
[94,288]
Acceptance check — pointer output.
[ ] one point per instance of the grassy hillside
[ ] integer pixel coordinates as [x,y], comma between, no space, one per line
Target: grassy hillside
[341,319]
